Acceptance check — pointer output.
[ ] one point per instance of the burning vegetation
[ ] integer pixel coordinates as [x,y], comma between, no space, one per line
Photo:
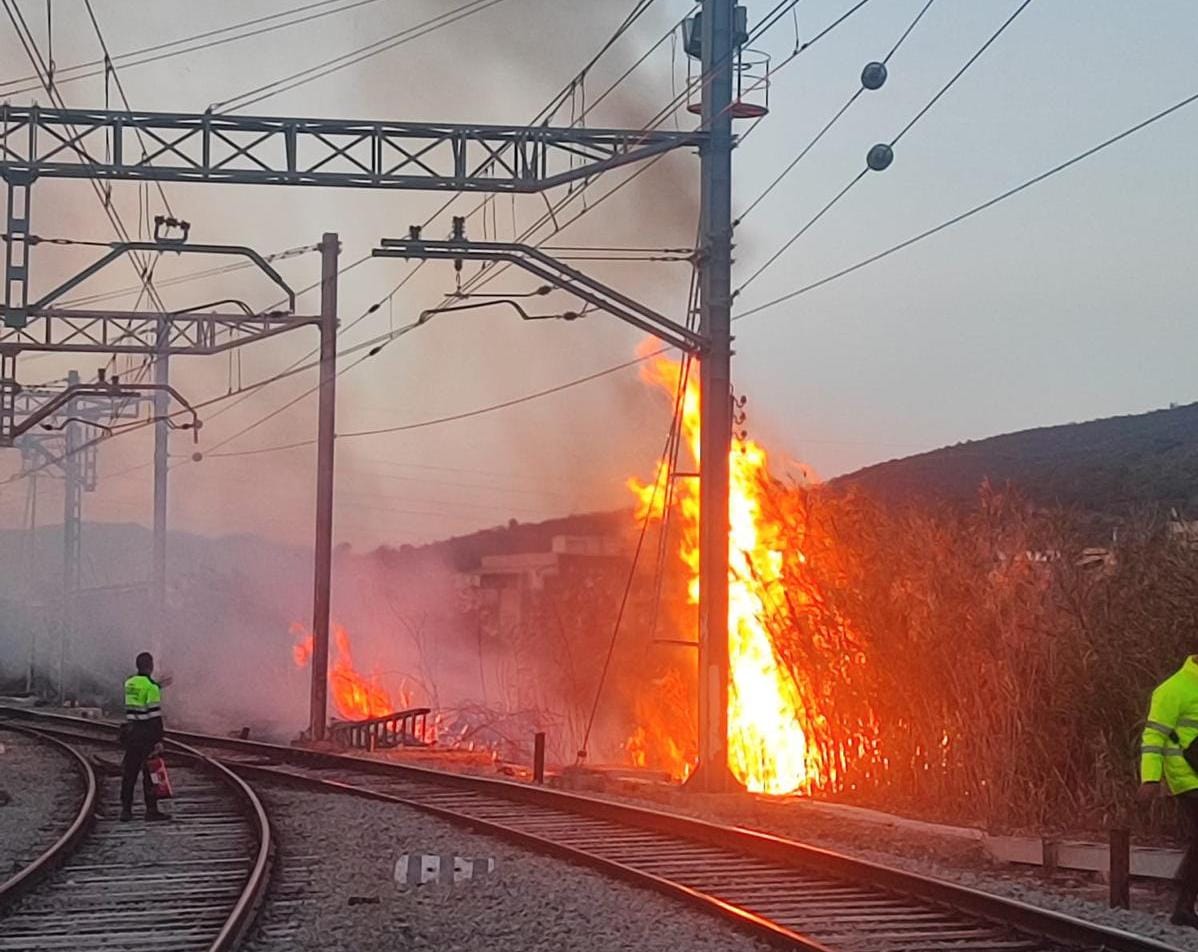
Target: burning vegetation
[895,656]
[779,736]
[355,696]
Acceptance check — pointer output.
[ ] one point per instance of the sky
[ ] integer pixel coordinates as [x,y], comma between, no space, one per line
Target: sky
[1066,303]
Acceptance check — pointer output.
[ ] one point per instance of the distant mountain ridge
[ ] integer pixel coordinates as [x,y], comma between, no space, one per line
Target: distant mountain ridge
[1109,465]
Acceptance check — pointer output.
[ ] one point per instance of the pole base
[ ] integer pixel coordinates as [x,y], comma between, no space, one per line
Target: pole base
[712,776]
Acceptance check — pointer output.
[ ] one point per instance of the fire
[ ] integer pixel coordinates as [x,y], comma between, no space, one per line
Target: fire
[770,750]
[355,696]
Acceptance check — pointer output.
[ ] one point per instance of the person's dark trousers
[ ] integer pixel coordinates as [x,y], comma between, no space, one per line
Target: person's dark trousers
[137,751]
[1187,872]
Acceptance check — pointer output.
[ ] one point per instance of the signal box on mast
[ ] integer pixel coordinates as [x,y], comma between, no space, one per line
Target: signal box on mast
[752,69]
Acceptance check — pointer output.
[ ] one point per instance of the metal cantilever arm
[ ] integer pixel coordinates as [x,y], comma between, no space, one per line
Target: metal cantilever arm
[51,407]
[120,248]
[554,272]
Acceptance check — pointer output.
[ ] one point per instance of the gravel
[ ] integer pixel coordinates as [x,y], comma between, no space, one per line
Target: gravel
[335,890]
[39,796]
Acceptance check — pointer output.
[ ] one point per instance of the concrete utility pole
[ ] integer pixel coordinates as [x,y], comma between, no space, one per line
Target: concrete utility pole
[162,403]
[330,249]
[715,380]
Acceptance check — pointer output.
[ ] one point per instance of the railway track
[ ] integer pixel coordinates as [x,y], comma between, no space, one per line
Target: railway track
[796,895]
[42,860]
[191,884]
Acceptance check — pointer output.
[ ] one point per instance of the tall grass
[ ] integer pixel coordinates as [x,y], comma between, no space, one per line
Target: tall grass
[1005,678]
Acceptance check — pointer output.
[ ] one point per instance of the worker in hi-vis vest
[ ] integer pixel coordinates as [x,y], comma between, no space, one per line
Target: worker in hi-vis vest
[141,735]
[1165,770]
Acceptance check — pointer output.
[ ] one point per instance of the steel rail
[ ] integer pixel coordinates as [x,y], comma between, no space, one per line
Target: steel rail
[236,924]
[796,876]
[241,917]
[27,876]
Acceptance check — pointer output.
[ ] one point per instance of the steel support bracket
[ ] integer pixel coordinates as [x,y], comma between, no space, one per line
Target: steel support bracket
[557,273]
[17,244]
[118,249]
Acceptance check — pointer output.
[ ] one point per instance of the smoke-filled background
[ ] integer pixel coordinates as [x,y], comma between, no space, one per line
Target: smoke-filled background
[1025,332]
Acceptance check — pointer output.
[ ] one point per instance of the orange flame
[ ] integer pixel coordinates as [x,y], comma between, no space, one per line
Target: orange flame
[355,696]
[768,745]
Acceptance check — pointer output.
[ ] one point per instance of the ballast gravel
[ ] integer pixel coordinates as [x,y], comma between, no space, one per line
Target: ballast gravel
[335,889]
[40,794]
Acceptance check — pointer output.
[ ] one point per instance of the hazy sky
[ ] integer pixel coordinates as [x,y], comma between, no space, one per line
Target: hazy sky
[1069,302]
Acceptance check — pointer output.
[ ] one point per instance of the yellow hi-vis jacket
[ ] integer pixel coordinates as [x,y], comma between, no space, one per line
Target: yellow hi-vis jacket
[1174,711]
[143,699]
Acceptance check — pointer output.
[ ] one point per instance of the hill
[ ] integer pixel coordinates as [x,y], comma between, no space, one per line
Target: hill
[1109,465]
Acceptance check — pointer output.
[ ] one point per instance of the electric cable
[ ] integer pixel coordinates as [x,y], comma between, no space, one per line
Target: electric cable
[866,169]
[578,381]
[971,212]
[963,216]
[109,68]
[831,122]
[142,266]
[495,269]
[131,59]
[661,475]
[481,278]
[544,115]
[328,67]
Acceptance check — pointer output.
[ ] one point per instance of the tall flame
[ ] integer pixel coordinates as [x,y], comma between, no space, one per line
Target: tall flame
[355,696]
[768,746]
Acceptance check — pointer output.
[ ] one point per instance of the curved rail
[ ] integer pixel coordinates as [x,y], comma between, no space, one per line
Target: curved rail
[786,891]
[16,884]
[242,915]
[240,918]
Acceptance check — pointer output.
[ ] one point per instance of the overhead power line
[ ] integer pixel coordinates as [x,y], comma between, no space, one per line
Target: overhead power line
[488,273]
[975,210]
[831,122]
[902,132]
[768,305]
[142,265]
[162,51]
[544,115]
[375,343]
[302,77]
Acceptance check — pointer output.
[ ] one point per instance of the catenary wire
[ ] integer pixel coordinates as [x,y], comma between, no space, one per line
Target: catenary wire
[831,122]
[486,274]
[971,212]
[138,57]
[539,394]
[865,170]
[328,67]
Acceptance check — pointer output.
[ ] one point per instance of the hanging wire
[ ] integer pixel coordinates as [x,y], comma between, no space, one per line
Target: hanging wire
[640,544]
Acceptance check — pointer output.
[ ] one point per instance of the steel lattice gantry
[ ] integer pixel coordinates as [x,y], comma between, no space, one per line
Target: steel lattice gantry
[37,143]
[69,143]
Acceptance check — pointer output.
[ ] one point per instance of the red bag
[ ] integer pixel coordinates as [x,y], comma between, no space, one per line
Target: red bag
[159,778]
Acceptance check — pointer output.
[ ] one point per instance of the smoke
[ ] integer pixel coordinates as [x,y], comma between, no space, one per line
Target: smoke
[240,562]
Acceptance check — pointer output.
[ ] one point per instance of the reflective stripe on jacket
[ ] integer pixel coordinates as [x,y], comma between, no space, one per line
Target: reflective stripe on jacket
[1172,726]
[143,699]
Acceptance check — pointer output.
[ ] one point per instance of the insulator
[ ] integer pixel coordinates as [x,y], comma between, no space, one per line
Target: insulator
[874,75]
[880,157]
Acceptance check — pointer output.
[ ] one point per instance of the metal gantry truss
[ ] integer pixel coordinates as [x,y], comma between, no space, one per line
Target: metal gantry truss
[202,147]
[52,441]
[38,143]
